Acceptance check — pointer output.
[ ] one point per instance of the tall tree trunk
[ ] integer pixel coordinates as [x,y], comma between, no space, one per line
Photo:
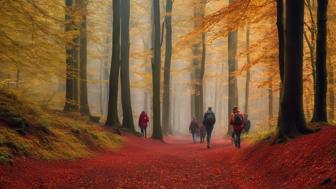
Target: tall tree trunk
[166,83]
[270,98]
[124,70]
[200,107]
[308,101]
[320,102]
[292,121]
[112,111]
[248,72]
[101,91]
[311,45]
[331,91]
[18,71]
[281,49]
[198,62]
[156,72]
[106,74]
[233,88]
[270,101]
[76,58]
[69,92]
[84,103]
[147,45]
[281,38]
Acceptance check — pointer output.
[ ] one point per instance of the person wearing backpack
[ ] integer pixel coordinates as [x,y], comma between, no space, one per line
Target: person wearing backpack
[193,129]
[202,131]
[209,121]
[237,124]
[247,123]
[143,123]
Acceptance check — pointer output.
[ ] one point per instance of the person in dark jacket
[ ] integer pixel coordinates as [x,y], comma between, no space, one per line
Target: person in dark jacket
[202,131]
[193,129]
[143,123]
[247,123]
[209,121]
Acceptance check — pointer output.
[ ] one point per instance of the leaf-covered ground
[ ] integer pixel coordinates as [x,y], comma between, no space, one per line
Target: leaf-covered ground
[301,163]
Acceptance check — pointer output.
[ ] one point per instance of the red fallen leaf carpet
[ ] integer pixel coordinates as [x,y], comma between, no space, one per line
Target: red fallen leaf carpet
[306,162]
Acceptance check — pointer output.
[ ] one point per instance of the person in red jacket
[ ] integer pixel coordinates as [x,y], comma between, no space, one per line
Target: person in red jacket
[143,123]
[237,124]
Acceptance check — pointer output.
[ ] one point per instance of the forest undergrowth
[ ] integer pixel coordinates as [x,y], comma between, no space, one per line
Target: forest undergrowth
[26,129]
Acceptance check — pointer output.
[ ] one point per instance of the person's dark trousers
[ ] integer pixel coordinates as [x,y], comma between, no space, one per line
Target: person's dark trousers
[144,132]
[202,136]
[209,129]
[237,138]
[233,137]
[194,137]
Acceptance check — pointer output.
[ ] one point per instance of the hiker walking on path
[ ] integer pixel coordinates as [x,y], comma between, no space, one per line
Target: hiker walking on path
[247,123]
[202,131]
[143,123]
[237,124]
[209,122]
[193,129]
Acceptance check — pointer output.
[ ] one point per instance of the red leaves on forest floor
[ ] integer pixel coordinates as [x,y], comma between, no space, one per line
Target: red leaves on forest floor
[300,163]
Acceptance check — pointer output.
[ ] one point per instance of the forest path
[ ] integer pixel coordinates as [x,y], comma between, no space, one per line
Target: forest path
[142,163]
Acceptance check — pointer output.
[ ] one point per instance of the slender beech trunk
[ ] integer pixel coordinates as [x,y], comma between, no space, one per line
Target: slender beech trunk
[308,101]
[101,72]
[69,92]
[198,62]
[270,101]
[124,69]
[76,58]
[201,84]
[233,87]
[331,91]
[248,72]
[281,49]
[147,46]
[320,102]
[156,69]
[18,71]
[84,102]
[281,38]
[311,44]
[166,125]
[292,120]
[106,75]
[112,111]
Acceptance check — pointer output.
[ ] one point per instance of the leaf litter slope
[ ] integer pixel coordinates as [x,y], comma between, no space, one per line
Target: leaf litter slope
[181,164]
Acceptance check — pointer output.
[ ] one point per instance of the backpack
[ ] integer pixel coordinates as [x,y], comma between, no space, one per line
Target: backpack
[247,125]
[209,118]
[237,119]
